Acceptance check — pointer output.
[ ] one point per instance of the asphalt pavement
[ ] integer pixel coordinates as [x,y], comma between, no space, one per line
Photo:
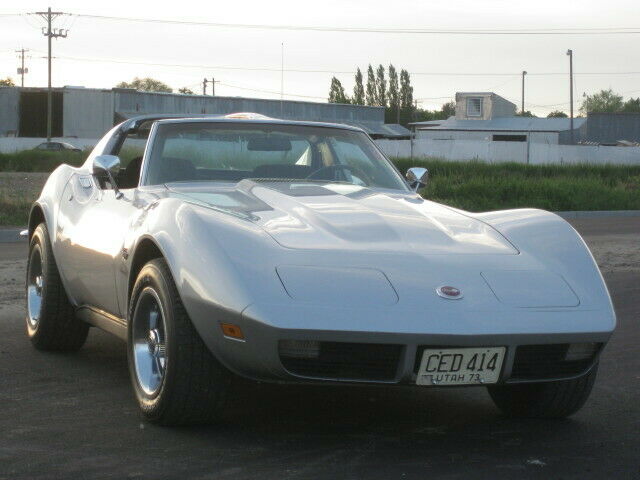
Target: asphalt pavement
[74,416]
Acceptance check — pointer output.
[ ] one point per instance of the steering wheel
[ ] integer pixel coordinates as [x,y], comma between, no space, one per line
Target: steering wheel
[366,178]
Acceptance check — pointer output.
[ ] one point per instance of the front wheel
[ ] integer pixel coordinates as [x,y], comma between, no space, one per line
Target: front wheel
[51,319]
[544,400]
[175,377]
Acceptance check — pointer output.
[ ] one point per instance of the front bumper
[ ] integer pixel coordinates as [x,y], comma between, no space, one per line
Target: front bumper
[380,355]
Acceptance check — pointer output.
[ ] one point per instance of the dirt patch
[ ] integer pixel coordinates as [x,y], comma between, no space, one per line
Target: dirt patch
[22,184]
[18,190]
[616,253]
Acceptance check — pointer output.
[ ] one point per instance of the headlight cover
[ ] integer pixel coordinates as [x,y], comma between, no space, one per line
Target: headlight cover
[348,286]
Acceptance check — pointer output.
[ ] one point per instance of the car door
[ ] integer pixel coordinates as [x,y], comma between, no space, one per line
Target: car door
[92,224]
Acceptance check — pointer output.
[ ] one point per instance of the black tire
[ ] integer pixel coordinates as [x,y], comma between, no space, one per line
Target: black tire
[193,384]
[544,400]
[51,320]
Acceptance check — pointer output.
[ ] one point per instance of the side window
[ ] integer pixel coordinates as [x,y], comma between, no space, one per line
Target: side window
[130,154]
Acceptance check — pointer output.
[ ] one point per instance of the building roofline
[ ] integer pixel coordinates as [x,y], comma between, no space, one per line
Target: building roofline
[134,91]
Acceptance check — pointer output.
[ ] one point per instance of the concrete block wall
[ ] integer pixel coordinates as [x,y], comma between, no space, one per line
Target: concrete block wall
[488,151]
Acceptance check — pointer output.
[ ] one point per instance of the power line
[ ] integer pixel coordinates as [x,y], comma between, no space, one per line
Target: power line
[270,91]
[537,31]
[182,65]
[333,72]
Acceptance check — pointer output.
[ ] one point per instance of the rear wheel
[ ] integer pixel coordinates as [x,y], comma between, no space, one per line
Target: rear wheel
[176,379]
[544,400]
[51,320]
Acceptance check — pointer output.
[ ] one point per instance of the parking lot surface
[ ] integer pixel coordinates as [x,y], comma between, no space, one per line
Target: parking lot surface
[74,415]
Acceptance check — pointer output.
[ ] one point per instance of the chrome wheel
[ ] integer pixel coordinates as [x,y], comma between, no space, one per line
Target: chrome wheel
[35,284]
[149,342]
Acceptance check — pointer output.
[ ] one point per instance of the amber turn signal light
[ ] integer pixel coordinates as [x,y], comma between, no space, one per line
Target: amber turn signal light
[232,331]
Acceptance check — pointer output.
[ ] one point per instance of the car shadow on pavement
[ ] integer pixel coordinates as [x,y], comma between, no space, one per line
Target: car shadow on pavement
[269,431]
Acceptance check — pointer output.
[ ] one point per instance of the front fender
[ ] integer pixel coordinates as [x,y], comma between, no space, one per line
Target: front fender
[555,243]
[214,259]
[49,200]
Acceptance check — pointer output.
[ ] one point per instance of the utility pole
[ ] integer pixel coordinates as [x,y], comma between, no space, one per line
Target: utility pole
[523,74]
[50,33]
[22,70]
[281,79]
[213,86]
[570,53]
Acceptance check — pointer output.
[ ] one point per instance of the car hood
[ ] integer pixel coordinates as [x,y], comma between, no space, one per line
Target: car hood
[335,216]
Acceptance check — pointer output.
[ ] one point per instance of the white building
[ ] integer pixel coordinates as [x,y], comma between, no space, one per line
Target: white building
[489,117]
[89,112]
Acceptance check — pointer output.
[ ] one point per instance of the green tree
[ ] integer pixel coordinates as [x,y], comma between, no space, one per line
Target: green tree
[526,113]
[146,85]
[371,87]
[336,92]
[603,101]
[406,90]
[557,114]
[394,94]
[358,90]
[7,82]
[186,91]
[448,110]
[381,87]
[632,105]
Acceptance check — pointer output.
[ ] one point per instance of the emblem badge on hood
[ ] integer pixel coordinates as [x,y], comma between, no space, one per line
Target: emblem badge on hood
[449,292]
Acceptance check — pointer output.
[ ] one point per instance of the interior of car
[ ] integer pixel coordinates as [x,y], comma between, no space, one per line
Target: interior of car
[195,152]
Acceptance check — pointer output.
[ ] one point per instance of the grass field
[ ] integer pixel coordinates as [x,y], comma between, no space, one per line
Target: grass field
[473,186]
[479,186]
[37,161]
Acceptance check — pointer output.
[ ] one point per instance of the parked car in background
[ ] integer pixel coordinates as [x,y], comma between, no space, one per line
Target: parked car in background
[290,251]
[57,147]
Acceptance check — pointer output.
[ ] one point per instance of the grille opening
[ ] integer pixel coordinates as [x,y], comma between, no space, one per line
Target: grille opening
[344,361]
[539,362]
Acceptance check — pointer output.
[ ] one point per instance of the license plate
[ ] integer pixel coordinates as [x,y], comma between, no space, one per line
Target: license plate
[460,366]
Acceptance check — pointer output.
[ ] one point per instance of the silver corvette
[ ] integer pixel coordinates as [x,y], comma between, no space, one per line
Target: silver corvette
[295,252]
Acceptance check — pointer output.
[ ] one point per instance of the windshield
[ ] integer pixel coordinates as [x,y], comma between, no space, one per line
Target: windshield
[231,152]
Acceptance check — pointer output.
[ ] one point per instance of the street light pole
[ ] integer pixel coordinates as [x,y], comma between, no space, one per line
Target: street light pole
[523,74]
[570,53]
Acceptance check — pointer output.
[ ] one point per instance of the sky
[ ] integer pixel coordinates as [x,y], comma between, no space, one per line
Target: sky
[100,53]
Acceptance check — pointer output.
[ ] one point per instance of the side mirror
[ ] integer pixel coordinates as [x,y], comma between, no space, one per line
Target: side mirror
[108,165]
[417,177]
